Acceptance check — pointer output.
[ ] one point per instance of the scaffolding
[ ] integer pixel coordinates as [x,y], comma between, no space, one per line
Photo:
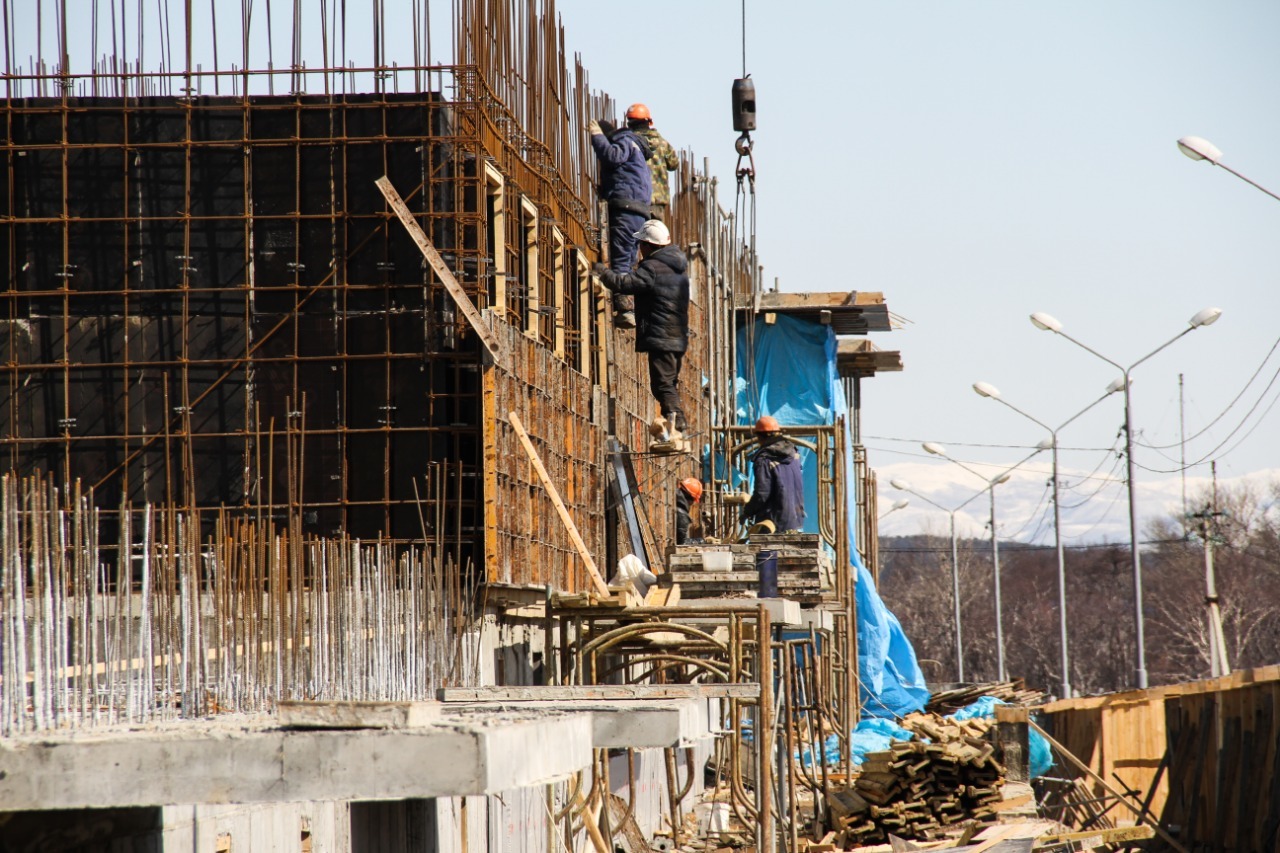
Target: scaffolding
[208,304]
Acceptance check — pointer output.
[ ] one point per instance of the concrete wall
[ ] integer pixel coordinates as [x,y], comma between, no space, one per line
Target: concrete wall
[314,827]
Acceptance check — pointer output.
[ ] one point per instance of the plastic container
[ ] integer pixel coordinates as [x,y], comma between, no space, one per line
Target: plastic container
[767,567]
[717,561]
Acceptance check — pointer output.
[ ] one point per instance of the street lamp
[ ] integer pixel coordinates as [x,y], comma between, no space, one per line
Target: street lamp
[904,486]
[1202,149]
[1203,317]
[901,503]
[985,389]
[1003,477]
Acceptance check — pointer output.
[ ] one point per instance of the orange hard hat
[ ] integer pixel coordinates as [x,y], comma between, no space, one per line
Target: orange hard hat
[693,486]
[638,112]
[768,423]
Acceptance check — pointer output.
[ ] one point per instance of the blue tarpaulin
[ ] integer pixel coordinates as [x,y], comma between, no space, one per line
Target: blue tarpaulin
[870,735]
[1040,756]
[788,369]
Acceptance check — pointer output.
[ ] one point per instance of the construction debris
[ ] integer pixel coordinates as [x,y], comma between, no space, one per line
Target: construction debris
[805,568]
[919,789]
[1014,692]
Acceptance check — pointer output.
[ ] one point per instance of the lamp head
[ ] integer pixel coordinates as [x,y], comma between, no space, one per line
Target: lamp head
[934,448]
[1205,317]
[900,503]
[1003,478]
[1117,384]
[900,485]
[1199,149]
[1046,322]
[1045,444]
[986,389]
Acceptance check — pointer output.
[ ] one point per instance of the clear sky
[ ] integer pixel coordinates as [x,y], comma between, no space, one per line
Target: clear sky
[977,161]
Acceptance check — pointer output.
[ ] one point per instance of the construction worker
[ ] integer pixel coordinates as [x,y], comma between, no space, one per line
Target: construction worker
[660,285]
[625,182]
[662,161]
[778,492]
[688,510]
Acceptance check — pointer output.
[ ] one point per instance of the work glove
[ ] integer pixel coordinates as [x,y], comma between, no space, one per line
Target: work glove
[594,128]
[599,269]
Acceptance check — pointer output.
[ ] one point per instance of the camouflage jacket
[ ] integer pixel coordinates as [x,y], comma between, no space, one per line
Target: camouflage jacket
[661,161]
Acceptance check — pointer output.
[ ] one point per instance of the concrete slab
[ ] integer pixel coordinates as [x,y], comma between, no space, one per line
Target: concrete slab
[577,692]
[249,761]
[635,723]
[819,620]
[356,715]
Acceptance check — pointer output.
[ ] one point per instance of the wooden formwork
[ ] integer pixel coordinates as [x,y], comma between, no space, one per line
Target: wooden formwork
[1203,755]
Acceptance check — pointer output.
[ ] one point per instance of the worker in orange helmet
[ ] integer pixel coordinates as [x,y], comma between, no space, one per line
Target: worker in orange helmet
[778,491]
[662,161]
[688,510]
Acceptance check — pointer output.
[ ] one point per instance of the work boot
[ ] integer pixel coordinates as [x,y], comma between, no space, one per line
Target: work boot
[624,320]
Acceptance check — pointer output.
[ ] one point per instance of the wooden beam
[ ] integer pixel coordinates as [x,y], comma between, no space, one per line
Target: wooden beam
[563,511]
[442,271]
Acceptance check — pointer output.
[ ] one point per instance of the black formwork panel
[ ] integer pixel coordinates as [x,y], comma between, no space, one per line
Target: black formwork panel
[194,293]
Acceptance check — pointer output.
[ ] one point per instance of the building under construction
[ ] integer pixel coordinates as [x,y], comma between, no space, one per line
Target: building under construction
[317,480]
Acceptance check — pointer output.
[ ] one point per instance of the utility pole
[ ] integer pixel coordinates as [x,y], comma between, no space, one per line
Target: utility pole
[1218,663]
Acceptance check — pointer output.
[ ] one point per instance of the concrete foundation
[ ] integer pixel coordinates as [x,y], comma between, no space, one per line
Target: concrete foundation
[221,764]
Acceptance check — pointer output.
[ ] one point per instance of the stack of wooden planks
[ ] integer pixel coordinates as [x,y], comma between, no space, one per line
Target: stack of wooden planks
[805,568]
[1014,692]
[917,789]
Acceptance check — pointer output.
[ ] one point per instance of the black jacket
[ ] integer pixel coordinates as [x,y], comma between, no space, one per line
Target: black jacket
[661,288]
[682,516]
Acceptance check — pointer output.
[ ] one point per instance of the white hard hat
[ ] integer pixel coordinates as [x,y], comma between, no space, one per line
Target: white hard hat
[654,232]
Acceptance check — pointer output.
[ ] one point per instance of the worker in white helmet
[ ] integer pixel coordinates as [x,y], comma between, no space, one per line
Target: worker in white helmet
[660,285]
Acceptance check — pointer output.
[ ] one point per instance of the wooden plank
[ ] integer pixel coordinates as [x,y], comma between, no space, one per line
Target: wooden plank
[598,692]
[660,596]
[1097,837]
[561,509]
[442,271]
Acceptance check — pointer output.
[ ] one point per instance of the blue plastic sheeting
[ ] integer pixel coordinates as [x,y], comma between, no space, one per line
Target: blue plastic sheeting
[870,735]
[788,369]
[1041,756]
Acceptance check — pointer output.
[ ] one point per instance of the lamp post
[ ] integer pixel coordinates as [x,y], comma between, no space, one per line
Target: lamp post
[1003,477]
[1202,149]
[904,486]
[988,390]
[901,503]
[1203,317]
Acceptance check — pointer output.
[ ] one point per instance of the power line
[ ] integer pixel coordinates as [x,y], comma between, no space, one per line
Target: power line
[1230,405]
[1214,454]
[918,441]
[1015,547]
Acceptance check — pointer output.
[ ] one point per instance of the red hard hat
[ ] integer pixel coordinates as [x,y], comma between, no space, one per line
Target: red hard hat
[693,486]
[638,112]
[767,423]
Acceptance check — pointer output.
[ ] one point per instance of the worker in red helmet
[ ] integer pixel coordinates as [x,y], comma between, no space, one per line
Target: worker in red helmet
[777,494]
[688,510]
[662,161]
[627,185]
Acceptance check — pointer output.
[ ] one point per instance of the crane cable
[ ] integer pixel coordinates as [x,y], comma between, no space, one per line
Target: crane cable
[745,222]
